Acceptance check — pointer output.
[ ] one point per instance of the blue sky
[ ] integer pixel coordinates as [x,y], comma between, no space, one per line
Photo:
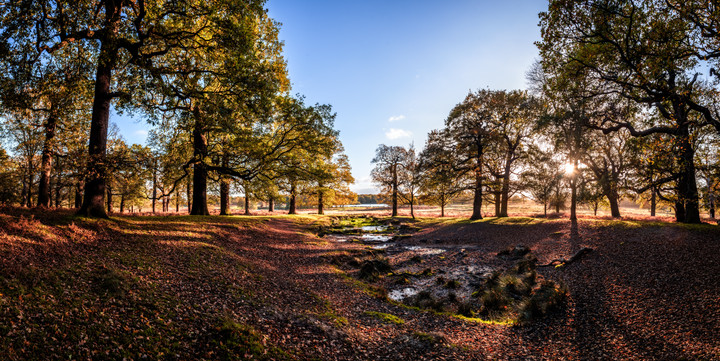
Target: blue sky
[393,70]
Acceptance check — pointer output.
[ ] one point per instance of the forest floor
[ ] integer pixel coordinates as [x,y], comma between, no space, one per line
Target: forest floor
[270,287]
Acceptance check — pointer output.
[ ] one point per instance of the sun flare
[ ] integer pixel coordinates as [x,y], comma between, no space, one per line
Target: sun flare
[569,168]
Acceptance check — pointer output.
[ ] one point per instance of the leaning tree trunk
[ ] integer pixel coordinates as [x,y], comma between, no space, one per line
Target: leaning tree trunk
[46,163]
[97,168]
[412,207]
[199,196]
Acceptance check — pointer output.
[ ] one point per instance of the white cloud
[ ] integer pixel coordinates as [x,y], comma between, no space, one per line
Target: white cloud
[396,118]
[394,133]
[141,132]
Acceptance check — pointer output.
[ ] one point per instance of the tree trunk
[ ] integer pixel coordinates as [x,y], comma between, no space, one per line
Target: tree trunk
[79,186]
[224,196]
[711,205]
[58,184]
[557,197]
[109,198]
[477,198]
[30,173]
[46,165]
[687,186]
[689,192]
[199,203]
[247,203]
[122,203]
[573,195]
[442,205]
[545,209]
[497,203]
[653,201]
[177,200]
[320,202]
[188,194]
[97,168]
[24,191]
[505,191]
[679,212]
[225,188]
[291,206]
[154,185]
[394,191]
[271,205]
[412,206]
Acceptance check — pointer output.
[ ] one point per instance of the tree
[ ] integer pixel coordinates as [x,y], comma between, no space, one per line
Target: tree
[388,162]
[410,178]
[542,176]
[608,158]
[333,177]
[440,180]
[469,126]
[512,124]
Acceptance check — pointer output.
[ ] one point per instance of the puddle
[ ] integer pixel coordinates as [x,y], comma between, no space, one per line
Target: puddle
[336,238]
[373,228]
[425,250]
[375,238]
[399,295]
[382,246]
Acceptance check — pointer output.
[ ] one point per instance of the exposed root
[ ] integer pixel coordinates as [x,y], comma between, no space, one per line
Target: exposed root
[563,262]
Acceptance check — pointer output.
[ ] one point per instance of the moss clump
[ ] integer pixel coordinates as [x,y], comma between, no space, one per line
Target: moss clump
[386,317]
[237,341]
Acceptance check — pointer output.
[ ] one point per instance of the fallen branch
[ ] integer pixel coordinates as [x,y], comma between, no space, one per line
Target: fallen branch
[563,262]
